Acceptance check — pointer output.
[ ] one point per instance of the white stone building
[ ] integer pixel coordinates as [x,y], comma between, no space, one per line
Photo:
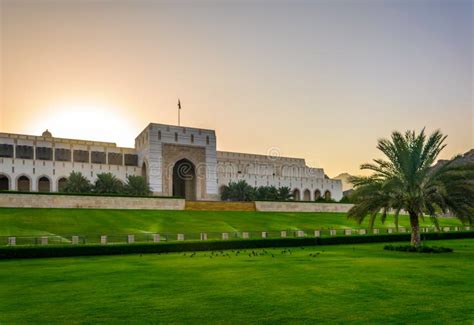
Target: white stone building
[177,161]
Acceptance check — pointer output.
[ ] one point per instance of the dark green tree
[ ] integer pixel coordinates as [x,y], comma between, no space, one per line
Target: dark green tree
[238,191]
[407,181]
[285,194]
[266,193]
[137,185]
[345,199]
[77,183]
[108,183]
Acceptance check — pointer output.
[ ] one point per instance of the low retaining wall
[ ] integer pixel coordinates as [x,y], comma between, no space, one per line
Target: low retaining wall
[89,202]
[219,206]
[301,207]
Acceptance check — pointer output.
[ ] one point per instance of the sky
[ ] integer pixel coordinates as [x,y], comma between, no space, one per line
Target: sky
[320,80]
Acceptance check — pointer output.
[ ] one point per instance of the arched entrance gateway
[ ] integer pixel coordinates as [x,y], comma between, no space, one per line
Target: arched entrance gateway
[184,179]
[4,183]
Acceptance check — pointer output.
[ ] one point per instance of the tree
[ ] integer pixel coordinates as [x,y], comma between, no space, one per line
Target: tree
[268,193]
[345,199]
[407,181]
[238,191]
[137,185]
[285,194]
[108,183]
[77,183]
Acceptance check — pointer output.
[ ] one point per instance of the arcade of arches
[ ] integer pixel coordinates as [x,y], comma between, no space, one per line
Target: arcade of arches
[307,195]
[23,184]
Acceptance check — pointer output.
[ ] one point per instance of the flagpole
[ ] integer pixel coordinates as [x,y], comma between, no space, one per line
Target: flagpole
[179,112]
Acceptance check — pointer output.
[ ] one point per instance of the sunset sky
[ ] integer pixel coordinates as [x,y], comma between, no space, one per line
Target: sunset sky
[322,80]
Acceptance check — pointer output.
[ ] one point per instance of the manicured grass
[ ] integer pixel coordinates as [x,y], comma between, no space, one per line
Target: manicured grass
[25,222]
[357,283]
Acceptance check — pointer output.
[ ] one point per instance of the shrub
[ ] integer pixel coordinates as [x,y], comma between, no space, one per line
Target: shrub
[266,193]
[345,199]
[108,183]
[324,200]
[238,191]
[285,194]
[136,185]
[77,183]
[242,191]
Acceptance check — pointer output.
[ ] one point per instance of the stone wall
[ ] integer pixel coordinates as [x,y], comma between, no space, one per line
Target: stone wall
[89,202]
[301,207]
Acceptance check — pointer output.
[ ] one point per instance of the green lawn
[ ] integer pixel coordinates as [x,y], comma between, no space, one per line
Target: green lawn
[25,222]
[357,283]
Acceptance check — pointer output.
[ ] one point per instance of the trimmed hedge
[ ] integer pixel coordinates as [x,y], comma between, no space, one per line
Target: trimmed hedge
[421,249]
[9,252]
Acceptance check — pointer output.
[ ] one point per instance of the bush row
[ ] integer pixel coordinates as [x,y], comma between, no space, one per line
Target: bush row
[91,194]
[117,249]
[421,249]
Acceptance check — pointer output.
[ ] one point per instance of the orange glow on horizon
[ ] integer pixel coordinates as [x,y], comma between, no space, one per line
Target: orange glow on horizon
[87,122]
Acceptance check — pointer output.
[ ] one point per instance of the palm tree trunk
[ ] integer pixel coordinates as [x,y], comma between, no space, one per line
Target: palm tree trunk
[415,229]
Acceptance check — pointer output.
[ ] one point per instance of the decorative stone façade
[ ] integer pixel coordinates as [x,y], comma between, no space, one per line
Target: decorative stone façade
[176,161]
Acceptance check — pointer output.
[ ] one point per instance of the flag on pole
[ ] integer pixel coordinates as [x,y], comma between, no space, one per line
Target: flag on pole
[179,104]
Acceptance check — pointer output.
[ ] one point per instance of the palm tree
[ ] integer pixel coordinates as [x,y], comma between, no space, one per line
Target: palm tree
[237,191]
[137,185]
[284,193]
[407,181]
[77,183]
[108,183]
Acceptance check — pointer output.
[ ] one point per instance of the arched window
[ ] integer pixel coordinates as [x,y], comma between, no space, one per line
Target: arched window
[159,135]
[207,139]
[192,138]
[327,195]
[176,137]
[144,172]
[4,183]
[62,184]
[306,195]
[44,185]
[296,194]
[23,184]
[317,195]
